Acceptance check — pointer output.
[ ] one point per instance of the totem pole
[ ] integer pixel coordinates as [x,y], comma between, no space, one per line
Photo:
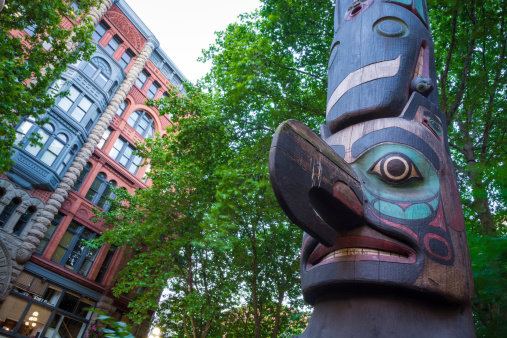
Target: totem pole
[385,252]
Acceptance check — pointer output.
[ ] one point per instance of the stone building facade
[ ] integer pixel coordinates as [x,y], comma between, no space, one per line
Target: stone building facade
[47,277]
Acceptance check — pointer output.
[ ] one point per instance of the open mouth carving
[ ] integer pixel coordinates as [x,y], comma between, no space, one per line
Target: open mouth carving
[360,248]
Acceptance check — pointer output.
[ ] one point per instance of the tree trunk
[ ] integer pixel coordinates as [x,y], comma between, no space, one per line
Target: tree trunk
[276,328]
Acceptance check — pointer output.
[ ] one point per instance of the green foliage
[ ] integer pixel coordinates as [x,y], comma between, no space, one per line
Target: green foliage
[27,69]
[210,224]
[113,329]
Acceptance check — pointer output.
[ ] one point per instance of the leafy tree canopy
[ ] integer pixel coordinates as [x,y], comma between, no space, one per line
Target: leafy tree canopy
[30,63]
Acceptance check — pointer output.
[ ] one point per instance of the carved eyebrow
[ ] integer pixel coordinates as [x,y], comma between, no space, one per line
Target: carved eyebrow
[398,135]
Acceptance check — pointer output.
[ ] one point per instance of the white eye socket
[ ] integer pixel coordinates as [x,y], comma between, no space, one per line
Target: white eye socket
[395,169]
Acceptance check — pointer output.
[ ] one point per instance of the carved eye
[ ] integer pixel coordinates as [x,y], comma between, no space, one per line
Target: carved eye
[395,169]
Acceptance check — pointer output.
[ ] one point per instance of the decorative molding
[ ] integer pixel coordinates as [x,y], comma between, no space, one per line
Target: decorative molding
[120,21]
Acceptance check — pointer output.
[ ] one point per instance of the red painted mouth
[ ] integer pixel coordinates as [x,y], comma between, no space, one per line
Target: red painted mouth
[360,248]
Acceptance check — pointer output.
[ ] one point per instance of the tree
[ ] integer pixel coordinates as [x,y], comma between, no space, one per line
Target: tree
[30,63]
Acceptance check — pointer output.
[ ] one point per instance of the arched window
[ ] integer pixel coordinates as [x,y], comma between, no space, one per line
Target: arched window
[99,71]
[100,191]
[67,159]
[121,108]
[82,176]
[142,123]
[8,210]
[23,220]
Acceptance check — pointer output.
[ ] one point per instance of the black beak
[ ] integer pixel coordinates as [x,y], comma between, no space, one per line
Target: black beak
[315,187]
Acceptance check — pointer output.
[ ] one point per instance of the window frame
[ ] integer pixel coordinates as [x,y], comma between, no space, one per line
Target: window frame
[122,107]
[124,64]
[104,26]
[121,152]
[14,204]
[82,176]
[103,191]
[77,237]
[47,237]
[137,82]
[157,87]
[109,49]
[75,104]
[142,116]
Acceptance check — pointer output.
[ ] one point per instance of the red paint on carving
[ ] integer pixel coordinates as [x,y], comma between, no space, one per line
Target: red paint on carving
[430,236]
[346,195]
[363,242]
[398,226]
[404,206]
[439,221]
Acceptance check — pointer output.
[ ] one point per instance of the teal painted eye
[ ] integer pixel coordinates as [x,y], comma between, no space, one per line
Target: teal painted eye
[436,127]
[395,169]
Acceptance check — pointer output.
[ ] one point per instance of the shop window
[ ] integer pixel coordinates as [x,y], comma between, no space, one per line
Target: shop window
[113,45]
[8,211]
[49,233]
[82,176]
[142,123]
[37,306]
[121,108]
[105,265]
[100,192]
[142,78]
[23,221]
[152,92]
[123,152]
[104,138]
[126,58]
[99,32]
[72,252]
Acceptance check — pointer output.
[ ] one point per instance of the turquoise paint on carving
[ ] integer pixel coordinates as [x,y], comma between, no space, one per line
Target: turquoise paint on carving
[405,2]
[420,9]
[411,191]
[413,212]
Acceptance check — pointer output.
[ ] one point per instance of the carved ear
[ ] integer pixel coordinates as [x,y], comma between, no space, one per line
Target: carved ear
[315,187]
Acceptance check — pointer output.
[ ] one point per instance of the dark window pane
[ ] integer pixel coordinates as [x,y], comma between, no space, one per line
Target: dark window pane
[69,302]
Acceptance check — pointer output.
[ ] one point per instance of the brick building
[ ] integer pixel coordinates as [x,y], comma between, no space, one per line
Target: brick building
[47,277]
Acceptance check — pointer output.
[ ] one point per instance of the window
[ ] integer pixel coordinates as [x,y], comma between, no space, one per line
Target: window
[67,159]
[142,78]
[23,129]
[123,152]
[104,138]
[82,108]
[67,101]
[113,45]
[71,251]
[23,220]
[153,90]
[32,297]
[92,119]
[99,32]
[126,58]
[49,233]
[121,108]
[105,265]
[142,123]
[75,9]
[82,176]
[98,70]
[55,148]
[8,210]
[30,30]
[100,192]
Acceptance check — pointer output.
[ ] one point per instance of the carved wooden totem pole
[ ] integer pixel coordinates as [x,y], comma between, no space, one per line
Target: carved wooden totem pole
[385,252]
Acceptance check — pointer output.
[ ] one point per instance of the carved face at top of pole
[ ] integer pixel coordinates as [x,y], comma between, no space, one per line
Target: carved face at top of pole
[377,197]
[381,53]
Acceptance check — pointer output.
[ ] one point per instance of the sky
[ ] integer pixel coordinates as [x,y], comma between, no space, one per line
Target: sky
[184,28]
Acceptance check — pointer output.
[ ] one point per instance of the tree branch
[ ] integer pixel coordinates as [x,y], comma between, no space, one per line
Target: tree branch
[443,78]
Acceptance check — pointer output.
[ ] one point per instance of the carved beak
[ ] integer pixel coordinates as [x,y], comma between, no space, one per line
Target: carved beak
[316,188]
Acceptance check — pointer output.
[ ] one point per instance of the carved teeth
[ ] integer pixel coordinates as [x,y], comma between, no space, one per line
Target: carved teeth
[361,251]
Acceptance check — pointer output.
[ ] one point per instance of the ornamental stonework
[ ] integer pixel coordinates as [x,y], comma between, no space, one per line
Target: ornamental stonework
[124,25]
